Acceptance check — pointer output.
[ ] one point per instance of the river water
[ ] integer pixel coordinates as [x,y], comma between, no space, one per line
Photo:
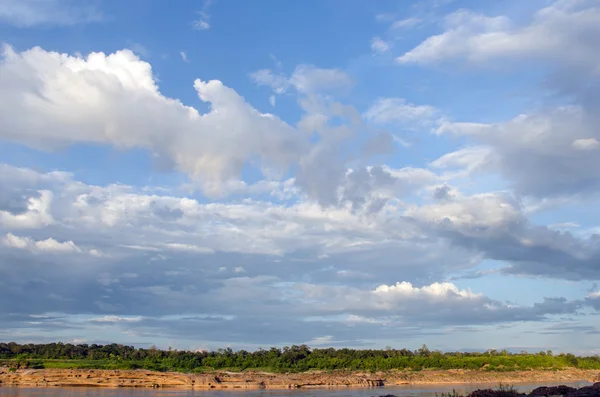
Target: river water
[400,391]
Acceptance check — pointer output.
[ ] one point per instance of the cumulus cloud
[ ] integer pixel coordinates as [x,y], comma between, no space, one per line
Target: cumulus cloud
[283,258]
[113,99]
[494,224]
[561,141]
[49,245]
[263,258]
[178,224]
[35,215]
[555,142]
[350,314]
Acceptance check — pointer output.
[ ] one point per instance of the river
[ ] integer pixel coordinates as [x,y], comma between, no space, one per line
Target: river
[401,391]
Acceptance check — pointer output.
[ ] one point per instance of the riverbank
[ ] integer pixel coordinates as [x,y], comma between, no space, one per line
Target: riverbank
[259,380]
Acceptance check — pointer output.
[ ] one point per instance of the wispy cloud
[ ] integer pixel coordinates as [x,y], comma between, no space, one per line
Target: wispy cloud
[203,22]
[406,23]
[184,56]
[379,46]
[30,13]
[139,49]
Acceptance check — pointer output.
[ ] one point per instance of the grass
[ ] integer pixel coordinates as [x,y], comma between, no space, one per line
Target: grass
[453,394]
[487,364]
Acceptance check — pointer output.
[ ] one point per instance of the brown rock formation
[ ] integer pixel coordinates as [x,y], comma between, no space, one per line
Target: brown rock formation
[255,380]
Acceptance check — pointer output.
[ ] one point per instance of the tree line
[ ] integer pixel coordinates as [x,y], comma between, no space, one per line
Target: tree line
[293,358]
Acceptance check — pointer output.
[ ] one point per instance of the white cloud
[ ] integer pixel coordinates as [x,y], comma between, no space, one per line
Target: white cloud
[29,13]
[560,141]
[189,248]
[586,144]
[184,56]
[466,160]
[402,304]
[322,223]
[278,82]
[49,245]
[308,79]
[172,225]
[261,250]
[202,23]
[113,99]
[10,240]
[116,319]
[37,214]
[462,128]
[379,46]
[403,290]
[554,141]
[305,79]
[320,341]
[565,31]
[406,23]
[564,226]
[472,215]
[397,111]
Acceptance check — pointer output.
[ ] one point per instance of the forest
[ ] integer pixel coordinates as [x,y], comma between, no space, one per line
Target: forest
[287,359]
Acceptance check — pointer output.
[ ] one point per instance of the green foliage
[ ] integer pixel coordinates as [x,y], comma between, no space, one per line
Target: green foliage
[288,359]
[508,389]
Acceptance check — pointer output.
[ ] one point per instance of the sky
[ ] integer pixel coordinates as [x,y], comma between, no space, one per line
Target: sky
[340,173]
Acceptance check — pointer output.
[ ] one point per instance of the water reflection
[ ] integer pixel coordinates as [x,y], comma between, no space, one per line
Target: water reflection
[401,391]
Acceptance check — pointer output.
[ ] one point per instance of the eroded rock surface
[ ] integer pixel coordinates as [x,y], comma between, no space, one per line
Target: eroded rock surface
[256,380]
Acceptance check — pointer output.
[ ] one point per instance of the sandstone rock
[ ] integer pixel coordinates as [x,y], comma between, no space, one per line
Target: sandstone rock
[259,380]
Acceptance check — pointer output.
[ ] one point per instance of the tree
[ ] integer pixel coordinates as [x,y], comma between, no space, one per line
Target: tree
[424,351]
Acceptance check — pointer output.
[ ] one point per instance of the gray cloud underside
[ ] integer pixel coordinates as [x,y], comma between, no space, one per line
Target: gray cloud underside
[117,253]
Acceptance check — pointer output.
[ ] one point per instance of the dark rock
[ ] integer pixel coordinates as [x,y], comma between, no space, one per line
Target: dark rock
[587,391]
[552,391]
[494,393]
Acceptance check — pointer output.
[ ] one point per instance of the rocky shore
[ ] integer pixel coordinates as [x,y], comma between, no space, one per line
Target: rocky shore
[544,391]
[258,380]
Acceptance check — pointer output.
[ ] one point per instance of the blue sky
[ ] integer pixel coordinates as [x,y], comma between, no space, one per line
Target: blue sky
[337,173]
